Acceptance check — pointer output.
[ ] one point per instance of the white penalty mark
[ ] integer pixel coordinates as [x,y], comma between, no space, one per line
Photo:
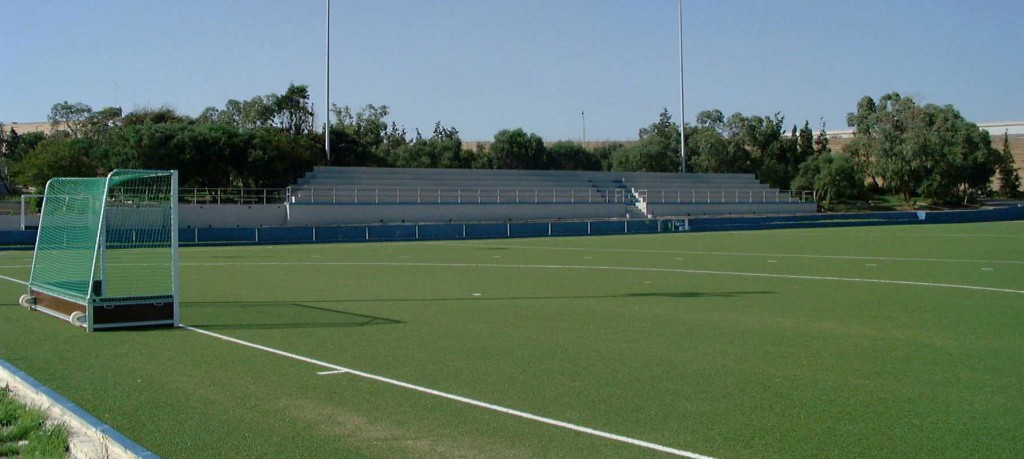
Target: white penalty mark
[332,372]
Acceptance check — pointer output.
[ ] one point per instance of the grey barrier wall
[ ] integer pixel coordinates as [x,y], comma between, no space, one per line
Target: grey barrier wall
[397,232]
[13,222]
[232,215]
[300,214]
[726,208]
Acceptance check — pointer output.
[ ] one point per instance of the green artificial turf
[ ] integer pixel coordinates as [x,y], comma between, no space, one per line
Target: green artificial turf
[747,344]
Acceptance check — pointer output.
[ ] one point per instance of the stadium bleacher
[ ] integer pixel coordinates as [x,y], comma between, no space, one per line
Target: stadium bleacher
[355,195]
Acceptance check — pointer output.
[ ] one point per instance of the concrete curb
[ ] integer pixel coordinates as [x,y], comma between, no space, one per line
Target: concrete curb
[89,438]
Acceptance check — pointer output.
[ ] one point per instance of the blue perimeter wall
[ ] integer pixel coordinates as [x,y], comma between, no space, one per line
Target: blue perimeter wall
[407,232]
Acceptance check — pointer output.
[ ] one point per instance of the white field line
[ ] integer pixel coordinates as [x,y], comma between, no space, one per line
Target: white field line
[800,232]
[477,403]
[335,369]
[740,254]
[19,281]
[625,268]
[620,268]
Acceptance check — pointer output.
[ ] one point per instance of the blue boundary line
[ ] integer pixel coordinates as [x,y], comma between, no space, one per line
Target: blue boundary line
[126,443]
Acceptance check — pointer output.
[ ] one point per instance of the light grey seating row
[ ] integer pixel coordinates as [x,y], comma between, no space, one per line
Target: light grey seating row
[441,183]
[470,174]
[367,195]
[342,195]
[463,178]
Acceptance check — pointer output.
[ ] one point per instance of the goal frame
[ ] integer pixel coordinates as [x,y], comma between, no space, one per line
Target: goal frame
[98,311]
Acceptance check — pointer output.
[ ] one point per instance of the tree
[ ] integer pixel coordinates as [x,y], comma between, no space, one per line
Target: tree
[291,111]
[69,116]
[357,137]
[864,144]
[712,119]
[804,149]
[930,150]
[253,113]
[771,154]
[656,151]
[149,115]
[54,157]
[99,123]
[605,153]
[448,145]
[821,146]
[1009,178]
[960,156]
[515,149]
[571,156]
[5,163]
[708,151]
[830,177]
[275,158]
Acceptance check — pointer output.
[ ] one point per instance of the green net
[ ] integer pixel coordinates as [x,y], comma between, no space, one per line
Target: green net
[66,244]
[106,239]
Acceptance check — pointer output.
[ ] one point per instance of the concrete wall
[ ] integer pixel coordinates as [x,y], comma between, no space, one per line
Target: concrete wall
[13,222]
[351,214]
[683,210]
[232,216]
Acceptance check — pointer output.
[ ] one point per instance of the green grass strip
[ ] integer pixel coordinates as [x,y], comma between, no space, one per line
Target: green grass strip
[23,431]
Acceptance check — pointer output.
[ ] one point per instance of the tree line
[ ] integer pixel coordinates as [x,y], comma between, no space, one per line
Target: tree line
[899,147]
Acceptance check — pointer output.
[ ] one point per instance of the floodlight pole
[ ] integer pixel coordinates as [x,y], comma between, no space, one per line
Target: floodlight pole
[327,91]
[583,116]
[682,112]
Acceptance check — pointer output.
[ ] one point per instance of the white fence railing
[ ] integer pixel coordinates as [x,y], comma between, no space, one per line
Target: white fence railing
[199,196]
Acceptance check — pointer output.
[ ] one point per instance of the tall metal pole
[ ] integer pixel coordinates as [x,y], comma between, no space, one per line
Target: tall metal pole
[682,111]
[327,91]
[583,116]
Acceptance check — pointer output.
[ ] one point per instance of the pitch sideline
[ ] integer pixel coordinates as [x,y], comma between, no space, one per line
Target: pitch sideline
[458,398]
[335,369]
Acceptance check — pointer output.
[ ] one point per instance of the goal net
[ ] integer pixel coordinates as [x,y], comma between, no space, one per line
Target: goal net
[107,250]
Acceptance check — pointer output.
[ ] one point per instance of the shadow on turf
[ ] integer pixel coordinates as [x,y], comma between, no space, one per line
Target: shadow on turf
[689,294]
[347,319]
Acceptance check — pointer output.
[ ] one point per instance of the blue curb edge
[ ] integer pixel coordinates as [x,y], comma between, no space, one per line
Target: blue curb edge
[124,442]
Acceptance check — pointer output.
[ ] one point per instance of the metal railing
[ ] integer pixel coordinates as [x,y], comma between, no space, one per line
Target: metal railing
[200,196]
[403,195]
[722,196]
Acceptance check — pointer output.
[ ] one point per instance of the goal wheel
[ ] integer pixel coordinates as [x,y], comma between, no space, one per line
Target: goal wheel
[79,319]
[27,301]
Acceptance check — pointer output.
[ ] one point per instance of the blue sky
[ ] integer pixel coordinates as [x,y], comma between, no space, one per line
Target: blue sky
[487,65]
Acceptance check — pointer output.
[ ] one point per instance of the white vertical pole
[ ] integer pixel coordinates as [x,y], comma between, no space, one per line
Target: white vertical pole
[175,271]
[682,111]
[327,86]
[583,116]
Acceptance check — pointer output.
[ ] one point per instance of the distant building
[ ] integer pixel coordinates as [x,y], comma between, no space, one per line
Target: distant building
[25,128]
[1013,128]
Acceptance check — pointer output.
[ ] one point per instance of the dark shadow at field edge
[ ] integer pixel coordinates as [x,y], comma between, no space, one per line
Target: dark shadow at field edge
[309,304]
[348,319]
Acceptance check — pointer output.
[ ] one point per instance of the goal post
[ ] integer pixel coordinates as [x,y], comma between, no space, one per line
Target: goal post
[106,252]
